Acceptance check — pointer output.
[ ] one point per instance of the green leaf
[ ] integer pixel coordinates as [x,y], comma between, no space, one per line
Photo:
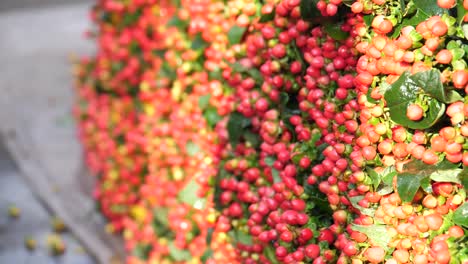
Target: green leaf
[404,92]
[460,216]
[209,235]
[446,175]
[211,116]
[430,7]
[461,11]
[175,21]
[334,31]
[355,202]
[178,254]
[206,255]
[198,43]
[142,251]
[375,177]
[252,138]
[192,148]
[241,237]
[407,186]
[236,125]
[204,101]
[268,17]
[276,176]
[309,10]
[368,19]
[235,34]
[270,160]
[189,195]
[388,174]
[464,178]
[417,18]
[269,253]
[252,72]
[378,234]
[430,82]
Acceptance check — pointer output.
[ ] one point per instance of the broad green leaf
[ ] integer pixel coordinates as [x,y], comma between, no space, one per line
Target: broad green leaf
[267,17]
[334,30]
[269,253]
[240,236]
[407,186]
[309,10]
[378,234]
[236,125]
[252,138]
[464,178]
[404,92]
[430,7]
[206,255]
[430,82]
[142,251]
[252,72]
[388,174]
[276,176]
[198,43]
[446,175]
[461,11]
[375,177]
[178,254]
[175,21]
[189,195]
[426,184]
[460,216]
[269,161]
[355,200]
[192,148]
[368,19]
[235,34]
[211,116]
[204,101]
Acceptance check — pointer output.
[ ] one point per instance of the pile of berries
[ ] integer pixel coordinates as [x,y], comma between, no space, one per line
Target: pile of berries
[280,131]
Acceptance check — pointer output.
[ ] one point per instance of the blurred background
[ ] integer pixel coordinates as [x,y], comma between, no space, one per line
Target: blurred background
[44,217]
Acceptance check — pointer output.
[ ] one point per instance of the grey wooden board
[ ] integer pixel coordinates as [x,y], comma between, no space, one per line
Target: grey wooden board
[35,116]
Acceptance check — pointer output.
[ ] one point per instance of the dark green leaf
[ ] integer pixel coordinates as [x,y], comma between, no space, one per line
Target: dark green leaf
[464,178]
[334,31]
[368,19]
[388,174]
[207,255]
[309,10]
[204,101]
[355,202]
[142,251]
[378,234]
[209,235]
[267,17]
[178,254]
[235,34]
[252,72]
[417,18]
[192,148]
[240,236]
[426,184]
[430,82]
[407,186]
[236,126]
[269,253]
[189,195]
[198,43]
[460,216]
[211,116]
[404,92]
[252,138]
[430,7]
[175,21]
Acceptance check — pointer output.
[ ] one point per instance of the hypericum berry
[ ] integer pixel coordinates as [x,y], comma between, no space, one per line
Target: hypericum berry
[414,112]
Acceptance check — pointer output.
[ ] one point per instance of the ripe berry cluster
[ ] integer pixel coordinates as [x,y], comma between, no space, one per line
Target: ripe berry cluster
[280,131]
